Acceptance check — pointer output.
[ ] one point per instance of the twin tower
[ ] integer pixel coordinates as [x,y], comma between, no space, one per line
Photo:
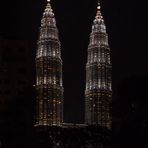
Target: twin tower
[49,86]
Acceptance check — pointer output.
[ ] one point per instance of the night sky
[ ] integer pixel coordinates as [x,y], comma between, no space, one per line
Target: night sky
[127,27]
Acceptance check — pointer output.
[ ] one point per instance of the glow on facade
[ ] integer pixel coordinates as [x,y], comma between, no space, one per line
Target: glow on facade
[49,73]
[98,91]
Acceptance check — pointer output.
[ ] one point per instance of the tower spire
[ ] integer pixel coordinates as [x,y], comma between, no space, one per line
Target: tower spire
[99,15]
[48,7]
[98,2]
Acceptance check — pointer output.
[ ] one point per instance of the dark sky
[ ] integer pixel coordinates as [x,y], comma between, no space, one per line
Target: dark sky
[127,27]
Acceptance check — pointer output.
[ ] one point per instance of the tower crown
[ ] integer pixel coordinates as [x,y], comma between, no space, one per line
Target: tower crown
[48,10]
[48,16]
[99,17]
[98,23]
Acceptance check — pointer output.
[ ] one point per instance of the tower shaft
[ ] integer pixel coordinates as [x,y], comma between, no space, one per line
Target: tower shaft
[49,73]
[98,91]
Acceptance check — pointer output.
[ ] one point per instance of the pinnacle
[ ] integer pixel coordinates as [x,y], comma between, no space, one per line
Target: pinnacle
[48,8]
[99,15]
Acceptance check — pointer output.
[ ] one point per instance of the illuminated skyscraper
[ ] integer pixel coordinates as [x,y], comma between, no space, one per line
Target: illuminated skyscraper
[49,73]
[98,91]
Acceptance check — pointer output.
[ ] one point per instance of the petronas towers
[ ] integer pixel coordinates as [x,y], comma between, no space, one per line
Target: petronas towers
[49,85]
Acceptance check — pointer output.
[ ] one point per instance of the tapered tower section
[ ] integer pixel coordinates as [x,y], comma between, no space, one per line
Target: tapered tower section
[49,73]
[98,91]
